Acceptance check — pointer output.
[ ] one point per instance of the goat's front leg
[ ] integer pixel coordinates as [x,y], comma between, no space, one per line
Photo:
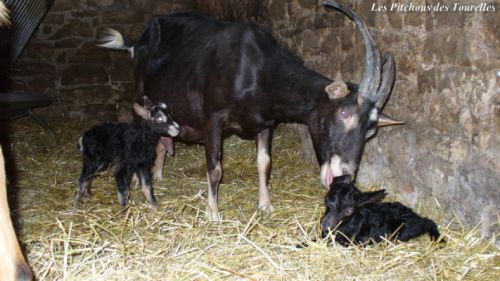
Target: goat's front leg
[157,170]
[263,142]
[213,150]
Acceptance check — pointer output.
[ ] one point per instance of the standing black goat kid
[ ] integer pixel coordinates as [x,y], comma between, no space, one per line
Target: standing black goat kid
[128,148]
[360,217]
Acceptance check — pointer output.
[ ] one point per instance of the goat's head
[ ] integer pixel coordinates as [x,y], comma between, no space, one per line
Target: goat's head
[348,115]
[159,115]
[343,200]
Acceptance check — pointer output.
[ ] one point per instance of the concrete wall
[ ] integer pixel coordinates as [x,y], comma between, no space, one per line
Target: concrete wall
[447,87]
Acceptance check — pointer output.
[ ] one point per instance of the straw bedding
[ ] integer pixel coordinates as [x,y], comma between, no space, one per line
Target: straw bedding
[176,243]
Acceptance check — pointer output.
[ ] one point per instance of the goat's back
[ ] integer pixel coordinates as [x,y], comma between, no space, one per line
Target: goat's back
[392,220]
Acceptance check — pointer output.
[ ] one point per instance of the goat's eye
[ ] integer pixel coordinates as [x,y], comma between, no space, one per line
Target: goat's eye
[331,205]
[348,211]
[344,114]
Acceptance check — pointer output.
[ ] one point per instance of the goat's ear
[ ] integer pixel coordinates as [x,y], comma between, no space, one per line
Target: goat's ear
[148,104]
[372,197]
[336,90]
[141,111]
[384,120]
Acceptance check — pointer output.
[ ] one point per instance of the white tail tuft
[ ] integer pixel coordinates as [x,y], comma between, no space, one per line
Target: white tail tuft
[113,39]
[4,15]
[80,144]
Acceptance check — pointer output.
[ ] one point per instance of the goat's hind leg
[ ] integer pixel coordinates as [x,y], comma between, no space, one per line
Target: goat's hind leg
[263,141]
[122,178]
[147,186]
[414,228]
[84,182]
[213,153]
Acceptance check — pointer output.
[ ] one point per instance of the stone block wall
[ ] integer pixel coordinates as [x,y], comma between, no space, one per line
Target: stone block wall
[61,60]
[447,84]
[447,90]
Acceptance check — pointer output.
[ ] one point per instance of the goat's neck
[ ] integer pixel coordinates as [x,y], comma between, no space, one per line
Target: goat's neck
[296,93]
[147,130]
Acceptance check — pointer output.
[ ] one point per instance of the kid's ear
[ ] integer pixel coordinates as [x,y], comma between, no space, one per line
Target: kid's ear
[141,111]
[372,197]
[148,104]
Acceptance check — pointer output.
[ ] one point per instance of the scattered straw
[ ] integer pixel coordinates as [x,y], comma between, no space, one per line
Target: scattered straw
[176,243]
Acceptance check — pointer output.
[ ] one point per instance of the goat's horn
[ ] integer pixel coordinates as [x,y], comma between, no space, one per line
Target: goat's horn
[388,77]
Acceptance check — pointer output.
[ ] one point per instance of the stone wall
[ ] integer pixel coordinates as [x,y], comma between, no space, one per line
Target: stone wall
[61,60]
[446,89]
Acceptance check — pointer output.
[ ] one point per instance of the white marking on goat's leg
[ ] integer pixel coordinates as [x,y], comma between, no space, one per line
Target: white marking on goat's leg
[122,178]
[264,163]
[264,167]
[212,130]
[135,180]
[157,171]
[147,189]
[87,192]
[84,183]
[80,191]
[213,178]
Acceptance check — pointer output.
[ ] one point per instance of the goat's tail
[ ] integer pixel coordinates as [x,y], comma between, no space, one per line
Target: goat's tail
[113,39]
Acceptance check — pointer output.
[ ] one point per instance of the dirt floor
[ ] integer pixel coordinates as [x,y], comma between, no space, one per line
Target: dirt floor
[176,243]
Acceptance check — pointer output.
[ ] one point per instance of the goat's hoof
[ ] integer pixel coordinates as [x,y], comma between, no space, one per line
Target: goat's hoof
[154,205]
[124,210]
[77,205]
[158,176]
[212,216]
[267,208]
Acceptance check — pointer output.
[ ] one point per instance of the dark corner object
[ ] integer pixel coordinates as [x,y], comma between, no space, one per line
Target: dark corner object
[25,17]
[19,104]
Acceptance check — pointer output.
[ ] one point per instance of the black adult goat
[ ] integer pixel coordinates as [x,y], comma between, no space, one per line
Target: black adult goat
[230,78]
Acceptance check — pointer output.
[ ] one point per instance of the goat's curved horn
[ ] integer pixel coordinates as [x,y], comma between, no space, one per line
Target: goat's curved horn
[371,76]
[388,77]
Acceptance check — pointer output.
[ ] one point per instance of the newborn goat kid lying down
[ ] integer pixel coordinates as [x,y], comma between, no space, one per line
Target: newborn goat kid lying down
[360,217]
